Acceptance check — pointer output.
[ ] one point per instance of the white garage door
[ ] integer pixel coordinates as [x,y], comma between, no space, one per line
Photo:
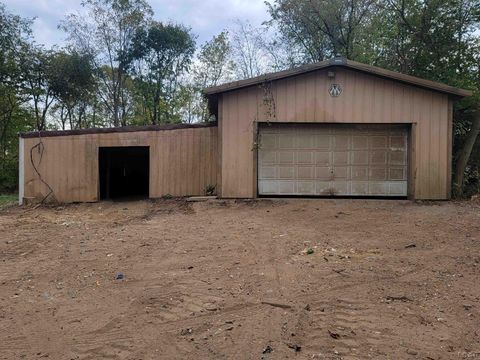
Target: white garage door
[332,160]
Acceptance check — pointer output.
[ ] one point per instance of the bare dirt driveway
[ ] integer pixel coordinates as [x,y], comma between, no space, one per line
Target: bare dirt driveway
[271,279]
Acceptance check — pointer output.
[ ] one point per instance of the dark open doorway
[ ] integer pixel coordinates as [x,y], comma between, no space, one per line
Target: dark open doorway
[124,171]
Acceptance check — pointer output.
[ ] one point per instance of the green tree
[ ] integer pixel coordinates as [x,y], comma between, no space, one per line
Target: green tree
[214,65]
[161,53]
[214,61]
[37,71]
[323,28]
[435,39]
[106,34]
[14,114]
[72,84]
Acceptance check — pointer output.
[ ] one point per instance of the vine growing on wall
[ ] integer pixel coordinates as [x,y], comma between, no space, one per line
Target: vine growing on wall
[268,101]
[269,109]
[41,149]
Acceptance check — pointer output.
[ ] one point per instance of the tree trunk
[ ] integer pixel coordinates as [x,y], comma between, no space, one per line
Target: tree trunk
[465,153]
[116,106]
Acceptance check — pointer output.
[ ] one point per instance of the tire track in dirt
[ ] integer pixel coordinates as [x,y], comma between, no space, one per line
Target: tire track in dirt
[336,325]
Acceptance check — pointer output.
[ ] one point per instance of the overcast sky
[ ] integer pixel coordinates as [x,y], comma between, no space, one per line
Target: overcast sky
[205,17]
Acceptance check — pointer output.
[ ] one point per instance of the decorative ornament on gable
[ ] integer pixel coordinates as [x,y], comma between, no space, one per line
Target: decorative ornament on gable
[335,90]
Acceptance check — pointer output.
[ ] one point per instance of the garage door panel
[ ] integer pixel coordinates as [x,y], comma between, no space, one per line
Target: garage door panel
[378,157]
[305,157]
[378,174]
[323,188]
[397,131]
[341,188]
[397,157]
[285,157]
[378,188]
[398,143]
[359,157]
[378,142]
[268,157]
[333,160]
[397,174]
[305,141]
[397,188]
[341,142]
[269,141]
[323,142]
[323,157]
[305,187]
[286,172]
[306,173]
[360,188]
[340,157]
[323,173]
[286,188]
[340,172]
[285,141]
[268,187]
[268,172]
[359,142]
[359,173]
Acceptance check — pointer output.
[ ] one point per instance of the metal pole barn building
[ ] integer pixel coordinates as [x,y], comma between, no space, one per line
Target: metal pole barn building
[334,128]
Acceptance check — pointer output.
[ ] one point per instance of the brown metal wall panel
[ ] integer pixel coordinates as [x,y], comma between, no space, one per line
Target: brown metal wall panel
[450,149]
[364,99]
[182,162]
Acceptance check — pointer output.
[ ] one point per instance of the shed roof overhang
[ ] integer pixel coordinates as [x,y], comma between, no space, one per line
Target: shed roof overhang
[123,129]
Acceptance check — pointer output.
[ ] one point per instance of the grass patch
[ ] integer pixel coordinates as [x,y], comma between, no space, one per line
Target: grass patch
[8,199]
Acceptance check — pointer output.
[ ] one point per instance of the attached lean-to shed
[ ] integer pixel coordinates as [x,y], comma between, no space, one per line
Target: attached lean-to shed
[335,128]
[95,164]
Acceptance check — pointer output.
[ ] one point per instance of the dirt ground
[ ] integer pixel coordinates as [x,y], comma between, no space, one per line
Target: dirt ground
[270,279]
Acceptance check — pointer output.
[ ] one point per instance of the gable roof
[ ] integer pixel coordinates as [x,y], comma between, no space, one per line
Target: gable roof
[339,62]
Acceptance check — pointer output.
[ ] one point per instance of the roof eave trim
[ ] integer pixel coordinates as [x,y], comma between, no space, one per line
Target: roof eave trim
[125,129]
[408,79]
[349,64]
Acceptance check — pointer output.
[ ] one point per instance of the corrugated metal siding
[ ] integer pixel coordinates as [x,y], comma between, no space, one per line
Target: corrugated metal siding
[365,99]
[182,162]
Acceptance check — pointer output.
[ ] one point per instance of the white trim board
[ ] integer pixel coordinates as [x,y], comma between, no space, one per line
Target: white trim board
[21,170]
